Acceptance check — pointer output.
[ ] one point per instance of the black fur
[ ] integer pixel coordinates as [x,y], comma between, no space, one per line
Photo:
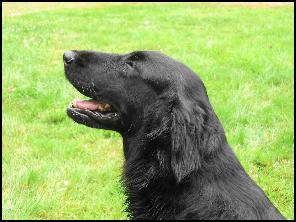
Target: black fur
[178,164]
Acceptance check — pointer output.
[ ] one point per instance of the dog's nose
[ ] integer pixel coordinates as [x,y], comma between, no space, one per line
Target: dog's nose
[69,57]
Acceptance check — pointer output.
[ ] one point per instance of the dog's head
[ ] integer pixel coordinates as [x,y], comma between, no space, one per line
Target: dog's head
[143,91]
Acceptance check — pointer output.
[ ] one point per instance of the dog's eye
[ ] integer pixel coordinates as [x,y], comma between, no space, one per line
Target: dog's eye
[137,57]
[134,57]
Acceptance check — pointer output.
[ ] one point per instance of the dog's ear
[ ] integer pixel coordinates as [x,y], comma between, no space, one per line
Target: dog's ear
[186,140]
[196,133]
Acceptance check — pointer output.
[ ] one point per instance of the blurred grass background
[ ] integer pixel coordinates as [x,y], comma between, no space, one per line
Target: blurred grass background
[53,168]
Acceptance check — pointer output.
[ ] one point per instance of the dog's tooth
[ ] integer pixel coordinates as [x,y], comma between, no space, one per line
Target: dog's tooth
[100,107]
[74,103]
[107,106]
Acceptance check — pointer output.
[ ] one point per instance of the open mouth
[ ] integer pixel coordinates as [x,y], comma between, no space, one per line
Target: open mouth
[98,111]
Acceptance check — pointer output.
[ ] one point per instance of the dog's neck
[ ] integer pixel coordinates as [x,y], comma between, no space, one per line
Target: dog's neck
[150,185]
[146,168]
[141,174]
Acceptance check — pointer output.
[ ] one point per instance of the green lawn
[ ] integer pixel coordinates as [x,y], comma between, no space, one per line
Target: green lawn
[53,168]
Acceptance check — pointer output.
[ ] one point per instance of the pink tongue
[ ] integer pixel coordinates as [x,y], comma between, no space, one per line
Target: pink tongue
[87,104]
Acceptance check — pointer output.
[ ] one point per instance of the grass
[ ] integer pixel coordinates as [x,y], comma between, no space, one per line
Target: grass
[53,168]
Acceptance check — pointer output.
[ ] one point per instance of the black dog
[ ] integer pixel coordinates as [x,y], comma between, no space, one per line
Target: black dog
[178,164]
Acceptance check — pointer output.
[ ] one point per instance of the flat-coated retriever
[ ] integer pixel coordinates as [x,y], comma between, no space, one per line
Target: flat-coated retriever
[178,164]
